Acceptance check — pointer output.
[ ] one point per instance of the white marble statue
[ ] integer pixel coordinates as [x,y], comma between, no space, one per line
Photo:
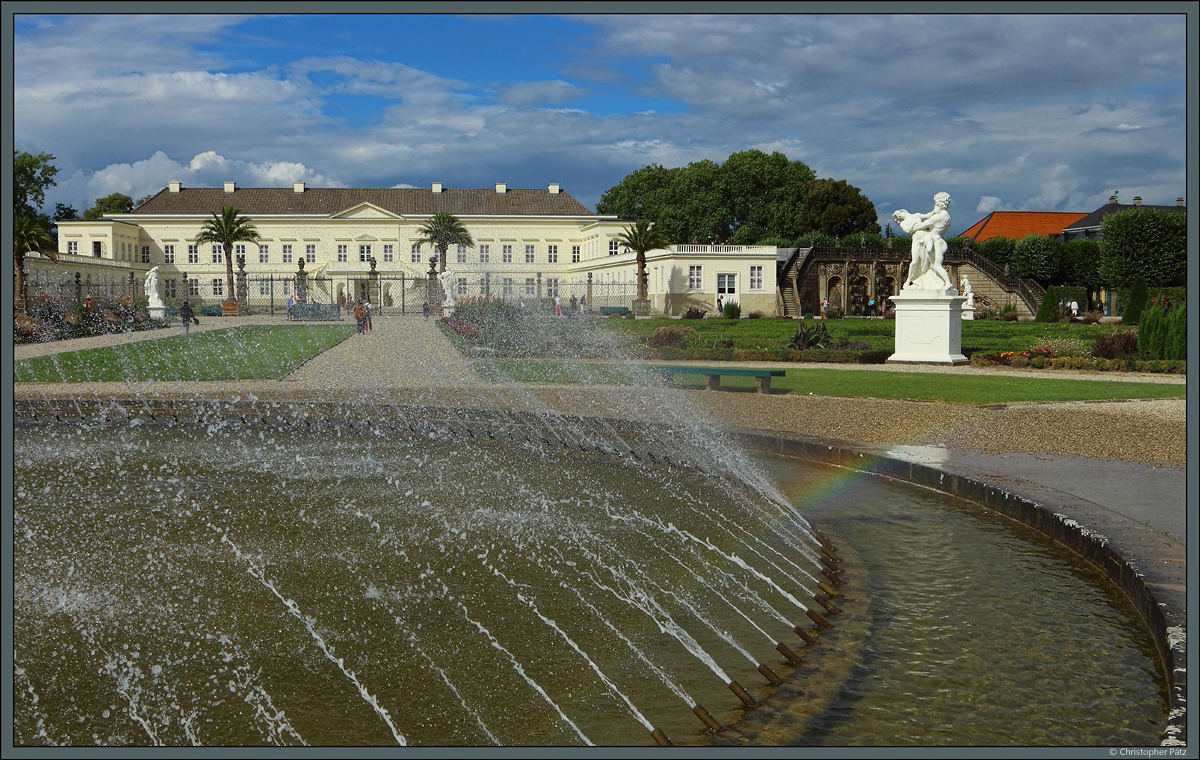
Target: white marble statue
[925,272]
[152,288]
[449,281]
[970,294]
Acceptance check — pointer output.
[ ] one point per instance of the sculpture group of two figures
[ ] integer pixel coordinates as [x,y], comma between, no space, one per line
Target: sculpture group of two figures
[929,309]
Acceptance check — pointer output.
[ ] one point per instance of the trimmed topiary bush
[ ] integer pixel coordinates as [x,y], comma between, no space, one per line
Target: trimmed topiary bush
[1135,302]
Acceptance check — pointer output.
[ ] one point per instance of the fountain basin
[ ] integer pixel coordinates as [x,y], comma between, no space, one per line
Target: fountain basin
[246,529]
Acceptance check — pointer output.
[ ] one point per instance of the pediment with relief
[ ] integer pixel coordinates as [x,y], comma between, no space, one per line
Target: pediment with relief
[366,211]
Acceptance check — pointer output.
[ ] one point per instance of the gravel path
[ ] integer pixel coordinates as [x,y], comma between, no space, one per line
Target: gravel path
[408,360]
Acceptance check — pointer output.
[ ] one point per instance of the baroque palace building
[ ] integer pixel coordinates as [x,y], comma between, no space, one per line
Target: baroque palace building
[530,244]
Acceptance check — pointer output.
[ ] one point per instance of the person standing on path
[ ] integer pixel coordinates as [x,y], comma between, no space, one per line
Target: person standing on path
[185,313]
[367,314]
[288,303]
[557,307]
[360,317]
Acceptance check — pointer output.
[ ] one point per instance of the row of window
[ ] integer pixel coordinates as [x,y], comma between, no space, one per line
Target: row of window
[726,283]
[171,287]
[343,253]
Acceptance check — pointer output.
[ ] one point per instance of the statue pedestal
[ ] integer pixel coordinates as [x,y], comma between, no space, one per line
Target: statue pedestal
[157,312]
[928,327]
[447,311]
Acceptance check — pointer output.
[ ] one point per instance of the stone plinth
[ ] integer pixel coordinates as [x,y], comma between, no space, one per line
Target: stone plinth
[928,327]
[447,310]
[157,312]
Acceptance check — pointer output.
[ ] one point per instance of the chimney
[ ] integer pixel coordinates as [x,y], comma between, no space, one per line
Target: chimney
[553,188]
[173,187]
[501,188]
[1137,200]
[229,187]
[297,187]
[1112,199]
[1179,202]
[437,187]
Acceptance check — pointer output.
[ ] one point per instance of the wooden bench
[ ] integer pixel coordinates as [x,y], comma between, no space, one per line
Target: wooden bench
[606,310]
[762,377]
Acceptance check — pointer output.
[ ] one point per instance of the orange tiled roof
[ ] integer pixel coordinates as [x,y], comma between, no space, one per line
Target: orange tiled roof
[1019,224]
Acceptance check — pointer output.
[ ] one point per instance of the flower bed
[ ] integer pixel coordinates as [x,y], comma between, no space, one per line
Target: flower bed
[48,318]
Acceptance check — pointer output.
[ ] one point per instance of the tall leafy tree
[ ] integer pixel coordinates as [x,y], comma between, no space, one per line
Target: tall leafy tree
[29,236]
[837,208]
[442,231]
[641,237]
[752,196]
[114,203]
[31,176]
[1036,257]
[225,229]
[762,193]
[1146,242]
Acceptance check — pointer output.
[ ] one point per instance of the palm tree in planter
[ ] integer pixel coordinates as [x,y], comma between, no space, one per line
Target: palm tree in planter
[225,229]
[444,230]
[29,236]
[642,236]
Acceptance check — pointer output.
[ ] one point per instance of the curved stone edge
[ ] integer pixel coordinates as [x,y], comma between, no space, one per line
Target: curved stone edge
[1144,564]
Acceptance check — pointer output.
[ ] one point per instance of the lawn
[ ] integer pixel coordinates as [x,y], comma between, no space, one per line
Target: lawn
[238,353]
[978,336]
[967,389]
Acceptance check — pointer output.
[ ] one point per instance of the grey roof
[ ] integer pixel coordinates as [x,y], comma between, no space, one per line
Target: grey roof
[331,200]
[1092,220]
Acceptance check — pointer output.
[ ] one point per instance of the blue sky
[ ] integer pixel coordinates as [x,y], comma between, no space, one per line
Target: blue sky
[1003,111]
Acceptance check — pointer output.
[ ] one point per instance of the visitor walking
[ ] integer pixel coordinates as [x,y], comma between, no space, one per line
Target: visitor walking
[288,303]
[185,313]
[557,307]
[583,303]
[425,309]
[574,304]
[360,317]
[720,304]
[367,313]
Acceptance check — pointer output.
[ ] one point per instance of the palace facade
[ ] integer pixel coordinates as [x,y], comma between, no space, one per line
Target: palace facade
[529,244]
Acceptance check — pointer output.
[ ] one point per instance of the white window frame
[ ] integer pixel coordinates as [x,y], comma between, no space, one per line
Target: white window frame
[613,248]
[364,252]
[506,254]
[695,277]
[342,252]
[218,287]
[218,254]
[73,247]
[551,254]
[415,253]
[756,278]
[530,252]
[310,253]
[485,254]
[506,287]
[287,253]
[530,286]
[574,254]
[389,252]
[168,254]
[264,254]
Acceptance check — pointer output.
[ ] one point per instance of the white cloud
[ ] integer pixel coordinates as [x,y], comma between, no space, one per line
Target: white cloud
[988,203]
[540,93]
